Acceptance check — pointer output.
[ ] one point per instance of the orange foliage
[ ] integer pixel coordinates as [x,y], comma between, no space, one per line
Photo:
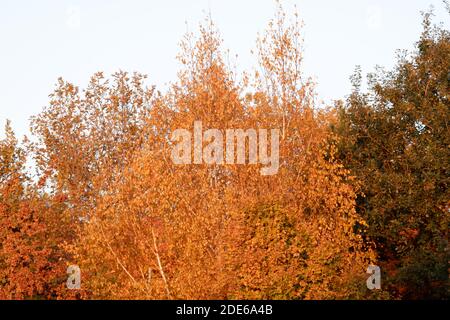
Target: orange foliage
[141,227]
[225,231]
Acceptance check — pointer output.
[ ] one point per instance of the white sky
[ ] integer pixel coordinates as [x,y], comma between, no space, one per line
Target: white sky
[43,40]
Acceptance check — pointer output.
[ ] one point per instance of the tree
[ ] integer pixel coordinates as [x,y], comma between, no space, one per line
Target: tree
[32,264]
[82,137]
[395,141]
[225,231]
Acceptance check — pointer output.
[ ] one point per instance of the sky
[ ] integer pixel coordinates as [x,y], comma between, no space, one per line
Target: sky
[43,40]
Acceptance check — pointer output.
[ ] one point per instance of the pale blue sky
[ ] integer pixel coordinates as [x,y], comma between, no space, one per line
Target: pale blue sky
[43,40]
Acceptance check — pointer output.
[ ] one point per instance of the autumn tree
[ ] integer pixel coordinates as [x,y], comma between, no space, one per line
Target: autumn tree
[31,261]
[395,139]
[174,216]
[82,136]
[298,239]
[84,139]
[220,231]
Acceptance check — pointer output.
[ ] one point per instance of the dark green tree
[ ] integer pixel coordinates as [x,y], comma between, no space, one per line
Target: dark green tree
[395,139]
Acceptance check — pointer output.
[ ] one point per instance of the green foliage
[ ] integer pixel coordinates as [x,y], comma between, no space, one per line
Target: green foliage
[395,139]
